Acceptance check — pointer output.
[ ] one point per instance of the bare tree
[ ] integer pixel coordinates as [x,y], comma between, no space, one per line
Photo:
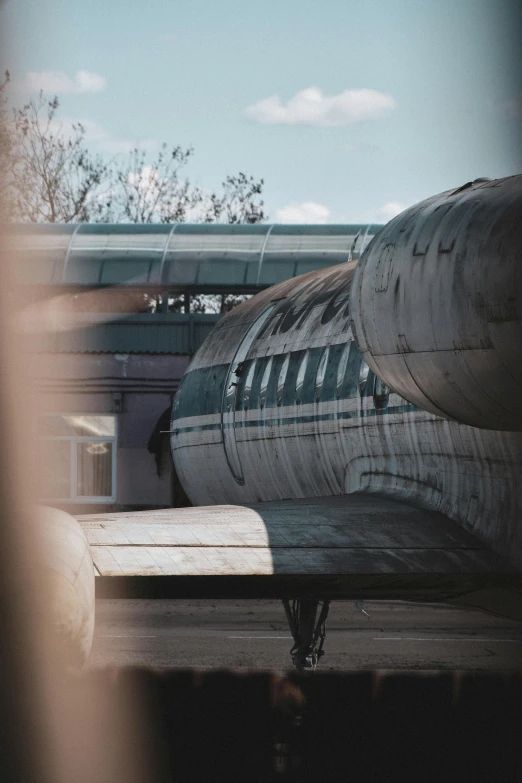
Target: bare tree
[238,203]
[155,193]
[152,192]
[53,178]
[6,144]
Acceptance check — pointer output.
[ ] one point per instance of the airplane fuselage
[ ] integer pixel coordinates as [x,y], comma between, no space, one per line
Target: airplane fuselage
[278,403]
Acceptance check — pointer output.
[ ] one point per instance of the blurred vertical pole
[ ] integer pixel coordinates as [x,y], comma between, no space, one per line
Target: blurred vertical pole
[47,733]
[55,726]
[24,748]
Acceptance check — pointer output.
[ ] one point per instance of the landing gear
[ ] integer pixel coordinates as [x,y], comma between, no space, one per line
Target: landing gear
[308,635]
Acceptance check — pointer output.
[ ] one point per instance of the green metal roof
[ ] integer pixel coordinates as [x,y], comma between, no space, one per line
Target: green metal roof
[180,257]
[172,333]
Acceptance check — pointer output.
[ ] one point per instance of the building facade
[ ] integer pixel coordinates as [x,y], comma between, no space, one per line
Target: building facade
[105,374]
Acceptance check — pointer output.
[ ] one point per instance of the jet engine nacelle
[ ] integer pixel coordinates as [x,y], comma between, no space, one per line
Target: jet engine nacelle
[436,303]
[69,580]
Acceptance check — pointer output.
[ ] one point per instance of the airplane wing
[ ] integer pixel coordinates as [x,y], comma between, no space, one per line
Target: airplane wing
[350,546]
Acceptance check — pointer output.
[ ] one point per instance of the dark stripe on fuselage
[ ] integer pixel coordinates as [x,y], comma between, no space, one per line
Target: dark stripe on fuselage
[283,420]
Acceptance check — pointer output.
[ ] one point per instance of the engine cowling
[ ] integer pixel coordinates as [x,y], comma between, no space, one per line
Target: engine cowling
[436,304]
[66,561]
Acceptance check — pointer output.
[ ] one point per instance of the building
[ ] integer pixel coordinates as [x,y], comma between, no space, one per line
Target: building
[107,374]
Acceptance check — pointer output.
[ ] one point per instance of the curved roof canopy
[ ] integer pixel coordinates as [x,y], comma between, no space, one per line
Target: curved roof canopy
[182,256]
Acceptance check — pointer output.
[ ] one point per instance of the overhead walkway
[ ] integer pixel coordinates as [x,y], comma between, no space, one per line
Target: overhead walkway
[188,258]
[171,260]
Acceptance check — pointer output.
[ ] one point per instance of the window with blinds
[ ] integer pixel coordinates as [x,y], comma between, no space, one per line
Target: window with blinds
[80,463]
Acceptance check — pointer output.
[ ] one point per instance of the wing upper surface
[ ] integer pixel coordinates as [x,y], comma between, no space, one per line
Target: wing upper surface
[343,545]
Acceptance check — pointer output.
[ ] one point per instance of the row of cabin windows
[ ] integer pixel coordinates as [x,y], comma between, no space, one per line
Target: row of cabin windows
[301,377]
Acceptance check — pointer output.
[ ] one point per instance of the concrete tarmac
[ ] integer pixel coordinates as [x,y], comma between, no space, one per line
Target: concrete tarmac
[254,635]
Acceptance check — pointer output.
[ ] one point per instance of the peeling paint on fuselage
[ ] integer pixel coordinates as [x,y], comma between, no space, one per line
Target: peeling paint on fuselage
[307,420]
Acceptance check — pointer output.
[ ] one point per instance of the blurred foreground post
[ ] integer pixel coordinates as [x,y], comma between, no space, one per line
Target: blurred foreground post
[44,734]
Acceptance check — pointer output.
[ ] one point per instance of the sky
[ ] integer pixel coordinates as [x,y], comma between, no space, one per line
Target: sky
[350,110]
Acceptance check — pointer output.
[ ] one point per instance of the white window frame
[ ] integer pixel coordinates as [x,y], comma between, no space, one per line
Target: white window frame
[73,457]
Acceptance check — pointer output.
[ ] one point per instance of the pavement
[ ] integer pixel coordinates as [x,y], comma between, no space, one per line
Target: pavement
[253,634]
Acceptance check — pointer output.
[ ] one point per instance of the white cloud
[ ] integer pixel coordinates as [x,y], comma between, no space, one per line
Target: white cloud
[313,212]
[59,83]
[312,107]
[108,142]
[307,212]
[145,179]
[389,210]
[102,139]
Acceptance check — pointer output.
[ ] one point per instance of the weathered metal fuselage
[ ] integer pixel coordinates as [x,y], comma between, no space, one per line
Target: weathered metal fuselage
[278,403]
[437,304]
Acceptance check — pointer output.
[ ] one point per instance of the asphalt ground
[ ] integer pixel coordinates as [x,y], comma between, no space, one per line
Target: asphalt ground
[252,634]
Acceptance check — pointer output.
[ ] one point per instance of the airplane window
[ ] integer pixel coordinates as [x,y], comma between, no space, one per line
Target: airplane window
[237,386]
[234,383]
[264,383]
[307,394]
[349,387]
[273,382]
[282,379]
[301,376]
[289,391]
[248,385]
[332,368]
[341,370]
[363,377]
[381,394]
[253,401]
[321,372]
